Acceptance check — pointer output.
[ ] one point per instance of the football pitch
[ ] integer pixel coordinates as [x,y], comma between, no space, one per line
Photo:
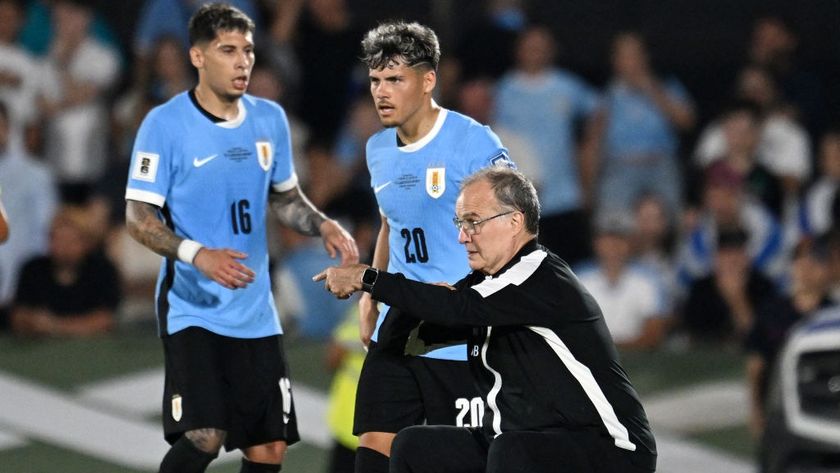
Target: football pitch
[93,405]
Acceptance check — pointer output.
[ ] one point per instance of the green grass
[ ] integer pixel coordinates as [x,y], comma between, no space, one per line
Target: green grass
[69,364]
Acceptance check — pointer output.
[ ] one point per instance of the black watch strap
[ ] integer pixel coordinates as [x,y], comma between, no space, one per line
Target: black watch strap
[369,279]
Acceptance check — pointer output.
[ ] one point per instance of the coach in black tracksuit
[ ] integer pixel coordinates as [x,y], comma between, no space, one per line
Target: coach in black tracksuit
[557,397]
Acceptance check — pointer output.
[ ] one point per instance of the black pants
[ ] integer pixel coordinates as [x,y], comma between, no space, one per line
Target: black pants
[445,449]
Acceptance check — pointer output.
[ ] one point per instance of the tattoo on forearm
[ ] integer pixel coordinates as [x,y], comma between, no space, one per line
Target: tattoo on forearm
[296,211]
[146,227]
[207,440]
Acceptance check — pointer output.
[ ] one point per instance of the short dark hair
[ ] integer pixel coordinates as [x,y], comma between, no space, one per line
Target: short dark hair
[412,43]
[513,191]
[212,18]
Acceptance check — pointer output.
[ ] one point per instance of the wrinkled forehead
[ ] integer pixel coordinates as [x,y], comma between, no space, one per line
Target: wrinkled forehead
[476,199]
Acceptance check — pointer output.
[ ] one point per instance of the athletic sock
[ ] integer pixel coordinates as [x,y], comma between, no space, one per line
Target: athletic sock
[254,467]
[184,457]
[370,461]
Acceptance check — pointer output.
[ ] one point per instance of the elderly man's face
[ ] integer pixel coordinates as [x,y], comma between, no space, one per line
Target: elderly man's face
[493,244]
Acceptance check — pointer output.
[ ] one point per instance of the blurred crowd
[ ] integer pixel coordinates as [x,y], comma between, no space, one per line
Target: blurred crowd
[686,230]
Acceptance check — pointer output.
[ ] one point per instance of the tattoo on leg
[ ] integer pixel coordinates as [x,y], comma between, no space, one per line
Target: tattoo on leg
[207,440]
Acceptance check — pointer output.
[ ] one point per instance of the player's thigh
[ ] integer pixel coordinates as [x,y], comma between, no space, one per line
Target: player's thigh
[388,398]
[194,389]
[450,396]
[260,394]
[439,449]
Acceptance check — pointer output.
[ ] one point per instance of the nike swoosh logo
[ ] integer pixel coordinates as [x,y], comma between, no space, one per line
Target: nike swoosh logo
[380,187]
[201,162]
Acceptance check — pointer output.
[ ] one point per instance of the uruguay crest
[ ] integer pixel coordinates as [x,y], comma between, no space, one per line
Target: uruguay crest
[435,182]
[265,154]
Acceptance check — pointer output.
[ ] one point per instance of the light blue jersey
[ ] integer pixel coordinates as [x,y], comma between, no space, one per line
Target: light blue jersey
[416,187]
[211,181]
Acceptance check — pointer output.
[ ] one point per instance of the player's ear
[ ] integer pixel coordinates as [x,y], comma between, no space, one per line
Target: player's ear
[197,57]
[429,81]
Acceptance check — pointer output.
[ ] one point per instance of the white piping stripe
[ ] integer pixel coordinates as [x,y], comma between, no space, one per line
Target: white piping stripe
[236,121]
[494,391]
[145,196]
[286,185]
[516,275]
[590,386]
[412,147]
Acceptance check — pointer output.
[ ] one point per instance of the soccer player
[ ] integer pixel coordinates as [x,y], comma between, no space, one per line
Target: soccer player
[416,164]
[204,168]
[558,399]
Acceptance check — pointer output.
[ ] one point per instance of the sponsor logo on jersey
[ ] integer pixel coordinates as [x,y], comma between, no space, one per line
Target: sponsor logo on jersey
[379,188]
[145,166]
[201,162]
[265,155]
[177,410]
[435,182]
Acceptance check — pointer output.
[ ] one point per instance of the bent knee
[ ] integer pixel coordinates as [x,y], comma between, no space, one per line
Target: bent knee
[271,453]
[207,440]
[379,441]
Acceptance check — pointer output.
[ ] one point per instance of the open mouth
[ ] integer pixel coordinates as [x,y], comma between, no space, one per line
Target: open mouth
[240,83]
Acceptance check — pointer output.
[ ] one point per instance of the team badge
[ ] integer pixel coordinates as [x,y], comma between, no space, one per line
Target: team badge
[265,155]
[177,411]
[435,182]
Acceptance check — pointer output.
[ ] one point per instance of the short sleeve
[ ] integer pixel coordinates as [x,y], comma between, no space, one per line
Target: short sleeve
[151,163]
[283,176]
[486,149]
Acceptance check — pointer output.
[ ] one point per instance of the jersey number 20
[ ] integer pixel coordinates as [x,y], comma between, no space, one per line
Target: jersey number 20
[420,252]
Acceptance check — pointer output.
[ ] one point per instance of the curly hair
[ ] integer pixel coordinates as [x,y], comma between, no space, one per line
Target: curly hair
[411,43]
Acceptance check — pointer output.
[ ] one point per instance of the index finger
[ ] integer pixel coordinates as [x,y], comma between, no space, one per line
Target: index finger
[320,276]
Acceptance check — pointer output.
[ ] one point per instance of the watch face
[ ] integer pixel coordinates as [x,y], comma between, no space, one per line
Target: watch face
[370,276]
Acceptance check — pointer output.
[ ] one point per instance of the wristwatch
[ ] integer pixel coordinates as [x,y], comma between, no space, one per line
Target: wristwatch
[369,279]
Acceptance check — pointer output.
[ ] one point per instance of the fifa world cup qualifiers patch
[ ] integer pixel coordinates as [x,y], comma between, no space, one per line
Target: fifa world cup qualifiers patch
[145,166]
[502,159]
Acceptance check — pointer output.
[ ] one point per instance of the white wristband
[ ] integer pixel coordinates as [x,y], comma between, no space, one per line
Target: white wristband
[188,249]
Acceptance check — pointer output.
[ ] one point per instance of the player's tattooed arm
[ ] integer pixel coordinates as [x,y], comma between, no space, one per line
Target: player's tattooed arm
[296,211]
[145,226]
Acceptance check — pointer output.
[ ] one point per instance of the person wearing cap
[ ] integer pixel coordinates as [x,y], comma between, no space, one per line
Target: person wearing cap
[720,307]
[539,350]
[632,297]
[73,290]
[727,204]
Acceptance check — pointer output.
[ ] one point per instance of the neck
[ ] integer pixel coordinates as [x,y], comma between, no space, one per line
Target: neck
[222,107]
[516,247]
[420,124]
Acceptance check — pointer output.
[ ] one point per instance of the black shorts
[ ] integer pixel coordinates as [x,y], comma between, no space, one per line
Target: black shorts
[397,391]
[237,385]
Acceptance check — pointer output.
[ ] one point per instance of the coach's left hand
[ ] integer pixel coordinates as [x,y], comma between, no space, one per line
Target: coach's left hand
[337,239]
[342,281]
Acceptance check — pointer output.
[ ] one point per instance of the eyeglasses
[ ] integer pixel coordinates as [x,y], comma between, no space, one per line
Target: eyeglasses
[470,227]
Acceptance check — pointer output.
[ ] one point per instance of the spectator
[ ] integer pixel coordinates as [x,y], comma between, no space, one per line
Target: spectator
[776,315]
[4,223]
[543,105]
[30,199]
[642,118]
[631,296]
[814,215]
[327,43]
[653,243]
[727,204]
[784,147]
[720,307]
[18,72]
[72,291]
[741,128]
[79,71]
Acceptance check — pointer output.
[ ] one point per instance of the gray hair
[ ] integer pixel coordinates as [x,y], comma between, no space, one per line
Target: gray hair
[413,43]
[512,190]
